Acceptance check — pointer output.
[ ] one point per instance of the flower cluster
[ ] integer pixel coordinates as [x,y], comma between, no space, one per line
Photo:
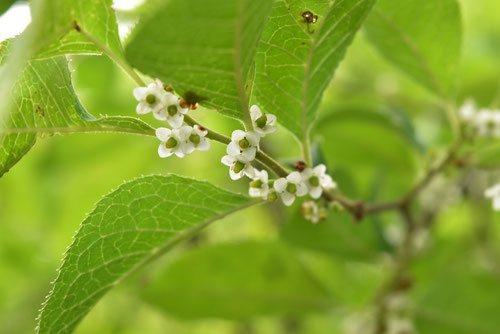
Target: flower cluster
[311,181]
[484,122]
[242,149]
[241,152]
[181,139]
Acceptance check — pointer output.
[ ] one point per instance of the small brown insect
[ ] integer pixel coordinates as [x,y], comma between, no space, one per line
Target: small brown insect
[191,100]
[309,18]
[300,165]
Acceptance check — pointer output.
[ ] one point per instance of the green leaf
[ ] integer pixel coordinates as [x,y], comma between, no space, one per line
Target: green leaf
[5,5]
[44,102]
[237,281]
[202,46]
[373,148]
[136,223]
[486,154]
[55,23]
[51,32]
[421,38]
[336,235]
[457,293]
[294,65]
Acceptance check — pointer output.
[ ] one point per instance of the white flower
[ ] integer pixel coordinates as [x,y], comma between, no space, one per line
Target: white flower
[310,211]
[468,110]
[289,187]
[151,98]
[259,186]
[196,140]
[487,123]
[317,180]
[173,113]
[263,123]
[243,145]
[173,141]
[238,168]
[494,194]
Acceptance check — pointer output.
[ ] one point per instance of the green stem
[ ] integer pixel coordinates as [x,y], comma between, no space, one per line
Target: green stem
[275,166]
[306,150]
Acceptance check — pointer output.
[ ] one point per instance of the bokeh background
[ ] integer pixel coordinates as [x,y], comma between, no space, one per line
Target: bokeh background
[377,131]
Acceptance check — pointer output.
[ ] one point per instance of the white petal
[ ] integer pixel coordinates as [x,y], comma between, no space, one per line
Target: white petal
[164,152]
[175,121]
[294,177]
[319,170]
[163,134]
[496,204]
[307,173]
[327,182]
[301,189]
[140,93]
[142,108]
[249,171]
[187,148]
[493,191]
[248,154]
[271,120]
[316,192]
[255,112]
[204,145]
[228,160]
[233,149]
[185,131]
[170,99]
[254,192]
[235,176]
[160,114]
[287,198]
[237,135]
[280,184]
[253,138]
[178,152]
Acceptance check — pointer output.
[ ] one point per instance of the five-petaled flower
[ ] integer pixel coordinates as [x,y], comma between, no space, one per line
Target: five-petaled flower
[173,112]
[151,99]
[243,145]
[263,123]
[197,140]
[259,186]
[290,187]
[173,141]
[237,167]
[494,194]
[317,180]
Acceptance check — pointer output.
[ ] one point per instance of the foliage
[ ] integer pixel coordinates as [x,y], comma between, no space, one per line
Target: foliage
[367,92]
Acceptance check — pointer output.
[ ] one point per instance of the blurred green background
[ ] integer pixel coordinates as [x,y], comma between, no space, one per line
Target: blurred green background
[393,128]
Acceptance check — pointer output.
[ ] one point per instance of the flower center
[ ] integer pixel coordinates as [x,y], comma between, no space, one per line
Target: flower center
[244,143]
[194,138]
[314,181]
[256,184]
[238,166]
[171,143]
[172,110]
[291,188]
[151,99]
[261,121]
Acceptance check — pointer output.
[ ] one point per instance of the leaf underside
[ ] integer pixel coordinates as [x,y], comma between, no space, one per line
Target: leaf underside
[202,47]
[129,227]
[295,61]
